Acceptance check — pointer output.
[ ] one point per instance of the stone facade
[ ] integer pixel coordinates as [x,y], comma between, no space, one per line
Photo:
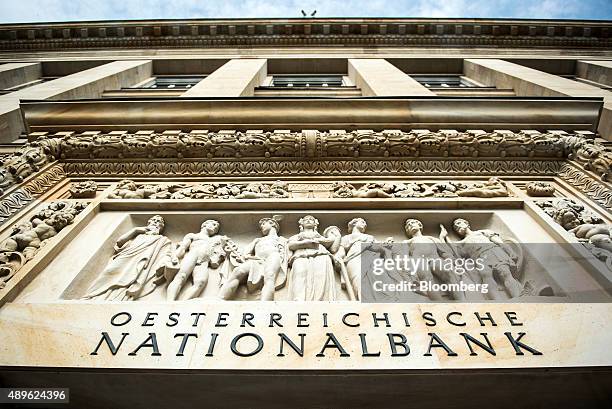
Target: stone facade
[212,231]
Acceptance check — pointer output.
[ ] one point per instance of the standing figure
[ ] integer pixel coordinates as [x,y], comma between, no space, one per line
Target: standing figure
[497,257]
[265,263]
[353,245]
[433,250]
[198,253]
[311,276]
[142,260]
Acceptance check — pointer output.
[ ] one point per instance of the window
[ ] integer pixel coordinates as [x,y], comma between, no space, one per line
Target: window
[306,81]
[171,82]
[444,81]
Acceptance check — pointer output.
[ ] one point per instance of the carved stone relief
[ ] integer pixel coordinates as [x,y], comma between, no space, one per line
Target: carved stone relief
[142,260]
[587,227]
[128,189]
[494,187]
[83,190]
[540,189]
[29,237]
[309,265]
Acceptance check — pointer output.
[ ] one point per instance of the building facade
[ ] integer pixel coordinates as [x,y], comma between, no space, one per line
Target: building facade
[187,210]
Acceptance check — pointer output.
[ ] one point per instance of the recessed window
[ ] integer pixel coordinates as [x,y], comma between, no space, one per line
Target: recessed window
[444,81]
[306,81]
[172,82]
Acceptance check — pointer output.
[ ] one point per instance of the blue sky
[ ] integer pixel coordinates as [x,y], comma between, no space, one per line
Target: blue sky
[15,11]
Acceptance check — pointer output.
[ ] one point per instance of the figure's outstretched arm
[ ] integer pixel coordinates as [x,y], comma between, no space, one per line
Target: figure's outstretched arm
[129,236]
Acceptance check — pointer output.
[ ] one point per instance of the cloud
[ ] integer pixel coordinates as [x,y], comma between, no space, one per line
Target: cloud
[70,10]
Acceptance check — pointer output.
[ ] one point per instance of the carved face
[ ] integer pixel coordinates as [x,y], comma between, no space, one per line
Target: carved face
[155,225]
[266,225]
[309,222]
[210,226]
[126,184]
[358,223]
[461,226]
[412,227]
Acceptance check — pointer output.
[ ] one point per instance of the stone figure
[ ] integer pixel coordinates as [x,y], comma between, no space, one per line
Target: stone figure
[494,187]
[568,213]
[496,254]
[312,275]
[143,260]
[352,246]
[434,251]
[83,190]
[598,240]
[127,189]
[338,258]
[198,252]
[264,266]
[28,237]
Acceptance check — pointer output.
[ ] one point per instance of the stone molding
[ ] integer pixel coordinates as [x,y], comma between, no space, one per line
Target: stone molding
[308,153]
[161,169]
[306,32]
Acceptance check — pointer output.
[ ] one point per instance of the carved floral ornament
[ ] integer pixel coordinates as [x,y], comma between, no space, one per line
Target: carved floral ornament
[282,145]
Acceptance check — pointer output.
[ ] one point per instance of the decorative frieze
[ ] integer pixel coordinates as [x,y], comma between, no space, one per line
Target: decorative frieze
[30,236]
[312,168]
[128,189]
[31,158]
[304,32]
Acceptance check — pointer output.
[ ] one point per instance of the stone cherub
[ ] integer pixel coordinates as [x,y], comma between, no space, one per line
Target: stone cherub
[28,237]
[127,189]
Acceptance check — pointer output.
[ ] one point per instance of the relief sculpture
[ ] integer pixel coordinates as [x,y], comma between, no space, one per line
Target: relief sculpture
[198,253]
[142,261]
[313,266]
[29,237]
[588,228]
[502,261]
[265,263]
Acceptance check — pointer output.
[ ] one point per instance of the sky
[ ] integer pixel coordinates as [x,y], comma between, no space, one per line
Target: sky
[18,11]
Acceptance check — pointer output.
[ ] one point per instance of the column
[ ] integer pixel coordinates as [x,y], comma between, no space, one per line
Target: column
[90,83]
[13,74]
[235,78]
[529,82]
[378,77]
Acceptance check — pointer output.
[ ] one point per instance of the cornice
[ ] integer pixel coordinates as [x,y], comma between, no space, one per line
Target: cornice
[435,113]
[306,32]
